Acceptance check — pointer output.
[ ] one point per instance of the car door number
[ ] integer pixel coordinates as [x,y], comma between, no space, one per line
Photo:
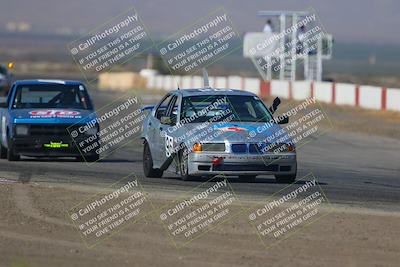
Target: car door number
[169,145]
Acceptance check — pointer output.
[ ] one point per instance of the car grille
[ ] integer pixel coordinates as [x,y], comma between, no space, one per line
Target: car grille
[218,147]
[254,167]
[256,148]
[49,129]
[239,148]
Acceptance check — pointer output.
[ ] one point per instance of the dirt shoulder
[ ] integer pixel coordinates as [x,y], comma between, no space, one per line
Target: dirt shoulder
[35,231]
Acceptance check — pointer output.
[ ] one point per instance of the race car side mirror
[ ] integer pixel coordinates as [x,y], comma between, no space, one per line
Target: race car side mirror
[166,120]
[275,104]
[283,120]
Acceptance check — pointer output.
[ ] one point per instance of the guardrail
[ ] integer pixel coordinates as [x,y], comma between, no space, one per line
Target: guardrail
[363,96]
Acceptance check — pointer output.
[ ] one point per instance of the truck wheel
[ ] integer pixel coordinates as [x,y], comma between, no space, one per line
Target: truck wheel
[11,156]
[3,152]
[184,165]
[247,178]
[148,169]
[285,179]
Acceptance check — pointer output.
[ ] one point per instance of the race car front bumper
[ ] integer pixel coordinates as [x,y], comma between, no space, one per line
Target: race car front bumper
[204,164]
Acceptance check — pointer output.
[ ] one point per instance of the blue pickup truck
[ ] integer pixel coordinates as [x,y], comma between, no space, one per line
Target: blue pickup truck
[38,116]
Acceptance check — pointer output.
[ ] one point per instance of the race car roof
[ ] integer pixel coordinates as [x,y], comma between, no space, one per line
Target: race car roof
[212,91]
[43,81]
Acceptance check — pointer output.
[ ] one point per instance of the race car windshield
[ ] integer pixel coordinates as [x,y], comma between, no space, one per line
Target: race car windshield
[214,108]
[51,96]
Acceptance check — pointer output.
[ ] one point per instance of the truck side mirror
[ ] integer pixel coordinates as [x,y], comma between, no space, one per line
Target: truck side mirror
[275,104]
[3,102]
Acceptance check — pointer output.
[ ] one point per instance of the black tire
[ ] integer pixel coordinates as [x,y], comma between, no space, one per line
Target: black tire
[183,165]
[285,179]
[148,169]
[247,178]
[92,158]
[3,152]
[11,156]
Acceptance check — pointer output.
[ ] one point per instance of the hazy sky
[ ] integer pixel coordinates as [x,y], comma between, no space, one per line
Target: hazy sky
[367,21]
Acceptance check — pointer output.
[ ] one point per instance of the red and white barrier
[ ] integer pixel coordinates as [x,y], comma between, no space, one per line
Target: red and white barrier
[370,97]
[211,80]
[301,90]
[220,82]
[197,82]
[252,85]
[393,99]
[235,82]
[345,94]
[186,82]
[159,81]
[280,88]
[169,83]
[322,91]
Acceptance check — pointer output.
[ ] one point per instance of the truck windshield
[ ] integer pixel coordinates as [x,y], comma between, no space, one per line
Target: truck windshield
[214,108]
[51,96]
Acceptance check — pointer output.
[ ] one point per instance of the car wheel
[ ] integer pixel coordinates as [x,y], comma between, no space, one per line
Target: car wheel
[148,169]
[184,165]
[3,152]
[286,179]
[247,178]
[11,156]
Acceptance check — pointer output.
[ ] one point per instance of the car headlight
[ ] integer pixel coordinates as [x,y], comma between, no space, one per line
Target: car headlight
[277,148]
[291,147]
[22,130]
[91,131]
[285,148]
[197,147]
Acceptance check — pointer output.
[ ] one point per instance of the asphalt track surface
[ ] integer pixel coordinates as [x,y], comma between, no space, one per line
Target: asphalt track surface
[352,169]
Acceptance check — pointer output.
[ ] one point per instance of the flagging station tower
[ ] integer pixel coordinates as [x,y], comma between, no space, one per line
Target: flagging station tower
[278,50]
